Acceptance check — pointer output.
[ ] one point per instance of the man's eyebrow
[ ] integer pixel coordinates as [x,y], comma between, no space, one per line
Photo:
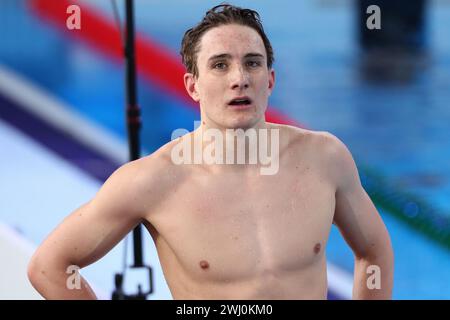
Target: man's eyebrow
[219,56]
[254,55]
[228,56]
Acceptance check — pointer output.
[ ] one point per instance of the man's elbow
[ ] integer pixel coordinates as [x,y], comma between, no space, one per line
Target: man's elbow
[377,257]
[376,246]
[44,271]
[35,273]
[374,274]
[38,271]
[380,256]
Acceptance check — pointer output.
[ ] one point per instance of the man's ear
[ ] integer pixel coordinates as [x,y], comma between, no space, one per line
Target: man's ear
[271,80]
[189,84]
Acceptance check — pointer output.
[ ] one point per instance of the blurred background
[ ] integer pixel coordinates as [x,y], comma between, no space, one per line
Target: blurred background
[384,92]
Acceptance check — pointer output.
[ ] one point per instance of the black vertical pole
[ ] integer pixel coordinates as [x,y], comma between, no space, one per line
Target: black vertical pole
[133,114]
[133,118]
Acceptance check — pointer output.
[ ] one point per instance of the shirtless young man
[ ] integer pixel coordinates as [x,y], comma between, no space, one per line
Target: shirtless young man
[226,231]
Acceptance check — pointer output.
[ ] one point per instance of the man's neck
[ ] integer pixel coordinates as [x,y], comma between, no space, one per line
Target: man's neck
[208,124]
[242,147]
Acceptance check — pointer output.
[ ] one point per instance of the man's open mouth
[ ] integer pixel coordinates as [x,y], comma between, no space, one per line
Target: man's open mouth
[240,101]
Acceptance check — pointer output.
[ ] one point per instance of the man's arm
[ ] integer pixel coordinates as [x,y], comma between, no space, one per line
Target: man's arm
[88,234]
[362,228]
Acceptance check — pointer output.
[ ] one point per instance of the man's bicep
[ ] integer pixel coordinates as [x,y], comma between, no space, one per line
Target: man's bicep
[359,222]
[355,214]
[92,230]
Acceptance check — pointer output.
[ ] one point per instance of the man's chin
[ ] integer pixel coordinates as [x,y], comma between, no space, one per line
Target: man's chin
[242,123]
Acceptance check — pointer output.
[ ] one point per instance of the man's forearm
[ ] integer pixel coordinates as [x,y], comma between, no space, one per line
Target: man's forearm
[58,285]
[373,278]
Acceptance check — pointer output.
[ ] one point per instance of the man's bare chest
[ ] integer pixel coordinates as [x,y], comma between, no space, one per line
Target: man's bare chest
[277,223]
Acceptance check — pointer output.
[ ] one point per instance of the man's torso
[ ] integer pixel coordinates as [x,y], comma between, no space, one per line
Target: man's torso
[238,234]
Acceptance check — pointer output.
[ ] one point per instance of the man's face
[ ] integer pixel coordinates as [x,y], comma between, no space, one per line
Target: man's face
[232,64]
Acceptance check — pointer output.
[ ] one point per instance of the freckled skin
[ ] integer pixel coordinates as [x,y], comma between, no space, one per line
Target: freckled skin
[204,264]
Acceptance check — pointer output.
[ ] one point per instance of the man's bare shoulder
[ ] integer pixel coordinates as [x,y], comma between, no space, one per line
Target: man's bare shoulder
[327,150]
[322,148]
[144,180]
[156,167]
[303,139]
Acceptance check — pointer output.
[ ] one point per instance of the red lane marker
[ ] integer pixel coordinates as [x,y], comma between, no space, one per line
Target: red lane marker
[154,62]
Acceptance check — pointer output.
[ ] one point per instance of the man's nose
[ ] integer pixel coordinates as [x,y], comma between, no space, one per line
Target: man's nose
[239,79]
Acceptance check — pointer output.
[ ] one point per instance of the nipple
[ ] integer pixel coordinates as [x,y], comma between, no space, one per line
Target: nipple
[204,264]
[317,248]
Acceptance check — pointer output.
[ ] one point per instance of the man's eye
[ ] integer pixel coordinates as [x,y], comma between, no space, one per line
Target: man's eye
[220,65]
[253,64]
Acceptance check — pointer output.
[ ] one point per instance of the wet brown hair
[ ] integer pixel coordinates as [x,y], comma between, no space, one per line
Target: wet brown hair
[222,14]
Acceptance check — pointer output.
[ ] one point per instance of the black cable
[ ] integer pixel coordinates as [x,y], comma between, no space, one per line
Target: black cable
[133,125]
[122,42]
